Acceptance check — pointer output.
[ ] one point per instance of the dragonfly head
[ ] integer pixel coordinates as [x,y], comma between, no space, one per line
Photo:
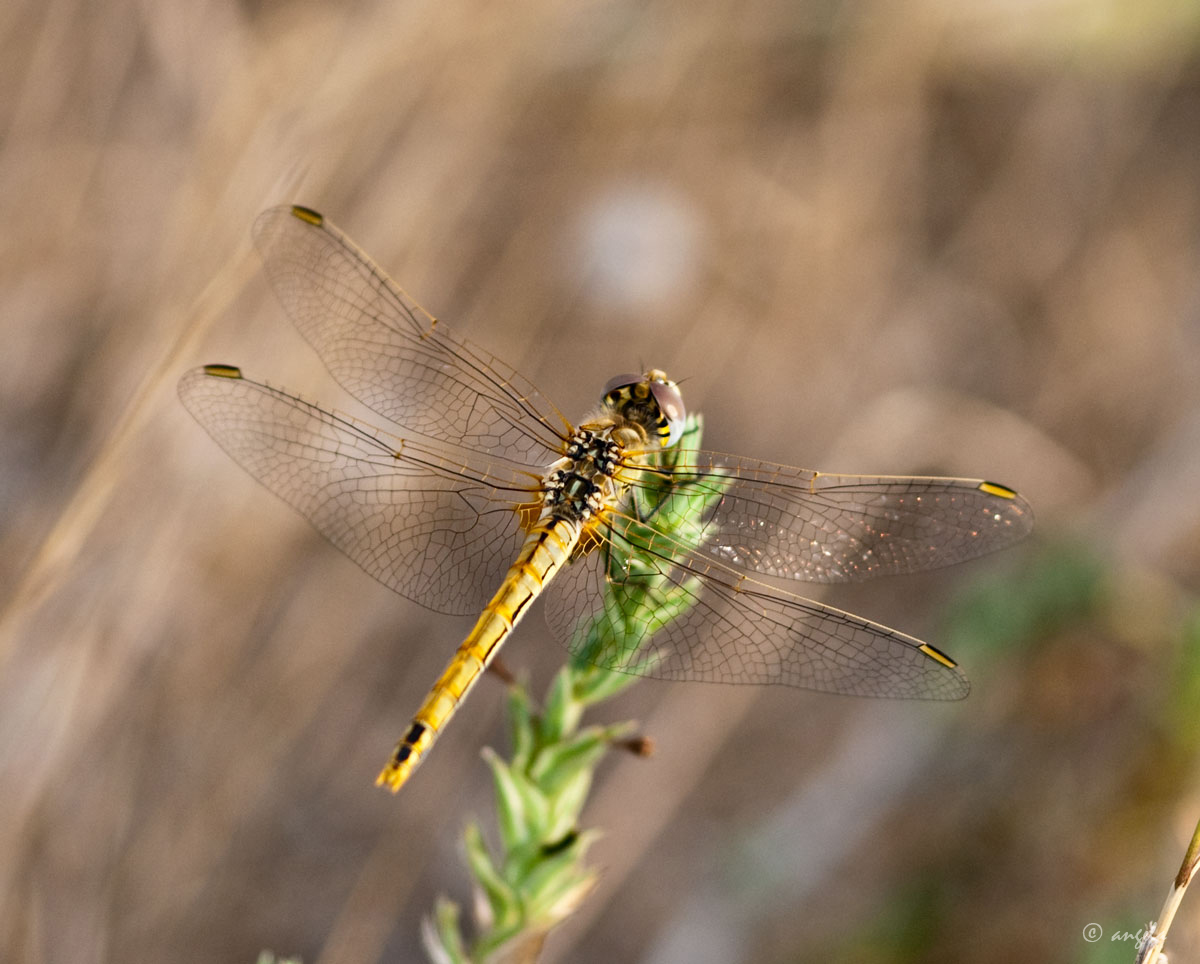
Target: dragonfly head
[651,400]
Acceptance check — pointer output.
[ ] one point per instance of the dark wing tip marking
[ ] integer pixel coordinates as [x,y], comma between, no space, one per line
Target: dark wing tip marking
[934,653]
[308,214]
[996,489]
[223,371]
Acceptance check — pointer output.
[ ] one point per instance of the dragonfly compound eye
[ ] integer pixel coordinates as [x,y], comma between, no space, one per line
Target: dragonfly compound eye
[652,401]
[670,404]
[613,387]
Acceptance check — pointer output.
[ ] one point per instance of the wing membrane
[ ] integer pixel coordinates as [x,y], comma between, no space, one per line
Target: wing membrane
[646,604]
[391,354]
[435,524]
[815,527]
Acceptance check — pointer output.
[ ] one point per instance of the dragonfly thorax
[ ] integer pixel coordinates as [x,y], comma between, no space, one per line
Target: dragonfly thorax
[580,483]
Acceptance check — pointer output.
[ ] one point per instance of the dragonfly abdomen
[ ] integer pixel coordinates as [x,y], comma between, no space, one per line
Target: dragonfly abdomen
[546,549]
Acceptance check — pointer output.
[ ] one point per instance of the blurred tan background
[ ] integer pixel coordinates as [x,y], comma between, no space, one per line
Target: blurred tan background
[871,237]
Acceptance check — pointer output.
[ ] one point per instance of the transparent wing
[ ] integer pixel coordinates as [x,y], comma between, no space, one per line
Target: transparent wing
[799,524]
[642,603]
[391,354]
[437,524]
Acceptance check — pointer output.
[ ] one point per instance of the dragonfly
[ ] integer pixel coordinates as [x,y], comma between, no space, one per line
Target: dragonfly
[479,496]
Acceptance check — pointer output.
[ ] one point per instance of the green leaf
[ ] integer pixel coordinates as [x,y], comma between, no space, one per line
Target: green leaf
[558,762]
[567,803]
[498,942]
[504,902]
[561,715]
[520,727]
[555,876]
[522,806]
[593,684]
[442,937]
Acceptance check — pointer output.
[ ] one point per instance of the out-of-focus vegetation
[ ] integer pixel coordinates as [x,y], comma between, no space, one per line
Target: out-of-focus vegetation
[919,237]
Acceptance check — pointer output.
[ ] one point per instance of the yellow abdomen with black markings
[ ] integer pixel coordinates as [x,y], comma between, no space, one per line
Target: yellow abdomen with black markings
[547,549]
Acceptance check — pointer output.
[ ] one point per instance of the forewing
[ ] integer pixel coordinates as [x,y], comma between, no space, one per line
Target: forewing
[437,525]
[391,354]
[815,527]
[643,604]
